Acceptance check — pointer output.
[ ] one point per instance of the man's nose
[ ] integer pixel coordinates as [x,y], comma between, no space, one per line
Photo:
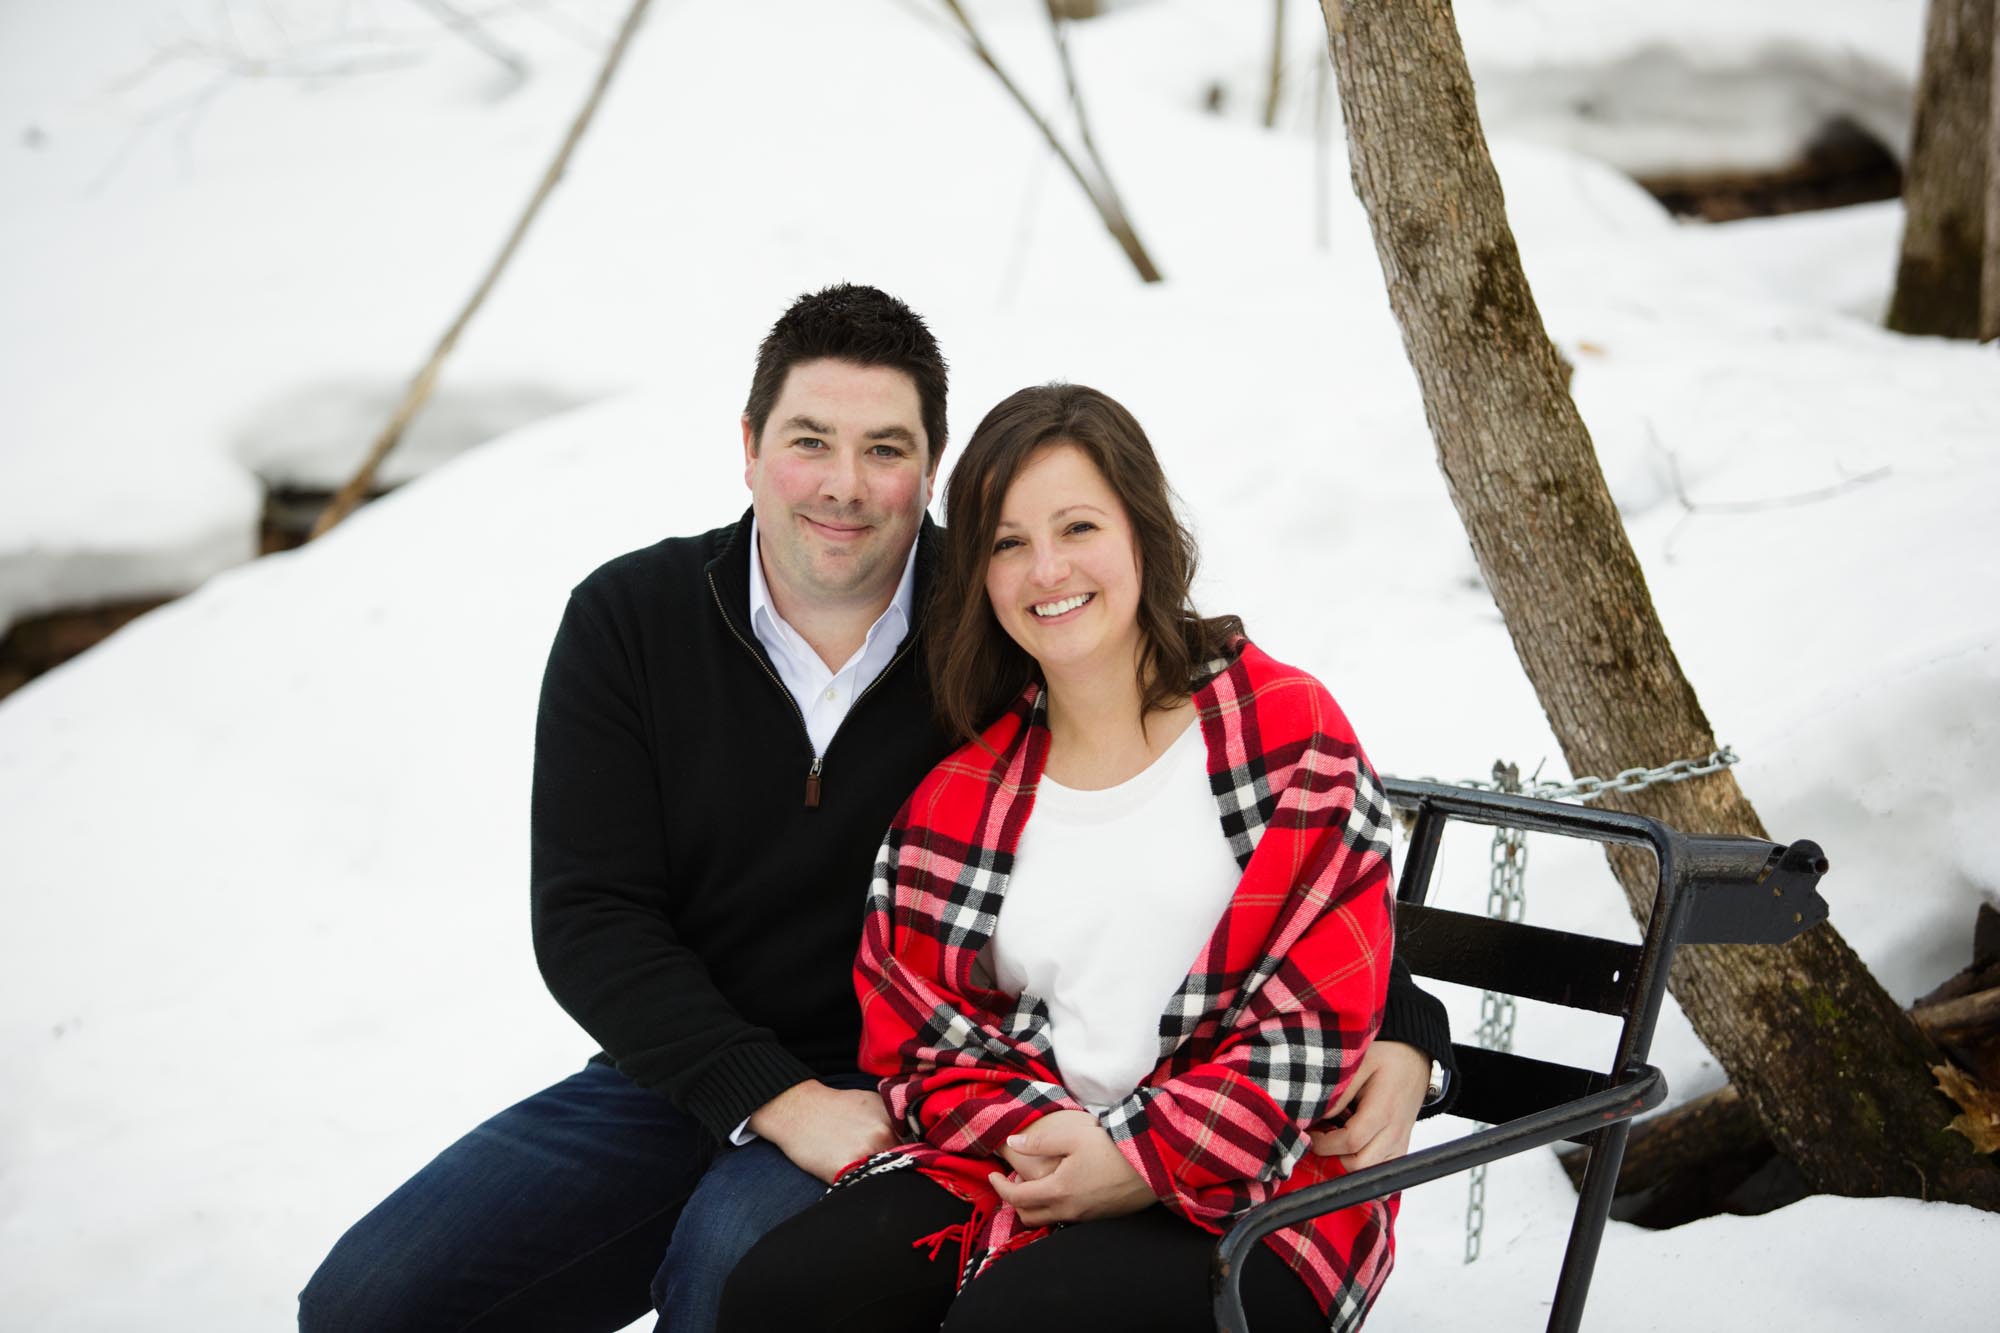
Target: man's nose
[842,481]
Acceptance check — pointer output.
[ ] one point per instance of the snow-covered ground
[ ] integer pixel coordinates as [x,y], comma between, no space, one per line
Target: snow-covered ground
[264,851]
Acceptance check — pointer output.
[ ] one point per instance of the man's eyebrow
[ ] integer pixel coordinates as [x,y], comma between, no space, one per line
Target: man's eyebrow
[803,422]
[892,433]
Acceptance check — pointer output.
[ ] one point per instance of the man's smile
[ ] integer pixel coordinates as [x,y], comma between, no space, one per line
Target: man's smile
[836,531]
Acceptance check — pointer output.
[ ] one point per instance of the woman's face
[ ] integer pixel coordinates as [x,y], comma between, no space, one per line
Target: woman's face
[1063,576]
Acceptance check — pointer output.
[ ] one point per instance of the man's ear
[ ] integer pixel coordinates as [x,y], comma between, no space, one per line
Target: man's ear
[749,450]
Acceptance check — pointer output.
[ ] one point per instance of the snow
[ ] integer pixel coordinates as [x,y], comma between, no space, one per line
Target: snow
[264,851]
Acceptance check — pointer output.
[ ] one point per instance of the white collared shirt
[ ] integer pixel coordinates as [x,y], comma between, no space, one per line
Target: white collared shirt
[822,694]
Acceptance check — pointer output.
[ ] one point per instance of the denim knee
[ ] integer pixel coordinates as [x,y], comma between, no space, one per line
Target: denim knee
[360,1289]
[744,1194]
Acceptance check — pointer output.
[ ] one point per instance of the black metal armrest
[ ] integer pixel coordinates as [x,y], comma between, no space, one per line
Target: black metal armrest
[1640,1091]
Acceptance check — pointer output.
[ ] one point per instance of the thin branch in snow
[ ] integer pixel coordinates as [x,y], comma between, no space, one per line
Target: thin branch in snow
[1322,154]
[1692,508]
[1101,198]
[474,34]
[419,391]
[1059,27]
[1276,81]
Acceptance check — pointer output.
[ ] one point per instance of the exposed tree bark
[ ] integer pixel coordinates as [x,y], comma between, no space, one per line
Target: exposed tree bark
[1989,286]
[419,392]
[1710,1143]
[1826,1059]
[1948,242]
[1689,1138]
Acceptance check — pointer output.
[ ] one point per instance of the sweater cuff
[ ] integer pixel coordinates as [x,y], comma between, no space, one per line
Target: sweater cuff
[1415,1018]
[738,1081]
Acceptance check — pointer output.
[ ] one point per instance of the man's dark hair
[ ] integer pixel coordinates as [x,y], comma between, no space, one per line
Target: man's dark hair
[864,325]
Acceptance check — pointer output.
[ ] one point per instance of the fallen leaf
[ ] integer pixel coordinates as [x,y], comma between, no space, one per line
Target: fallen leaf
[1981,1119]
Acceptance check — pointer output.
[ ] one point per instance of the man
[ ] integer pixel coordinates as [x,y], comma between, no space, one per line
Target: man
[728,723]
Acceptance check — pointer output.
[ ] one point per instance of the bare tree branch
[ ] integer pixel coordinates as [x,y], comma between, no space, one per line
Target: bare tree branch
[1277,78]
[475,35]
[1106,202]
[351,494]
[1322,156]
[1059,30]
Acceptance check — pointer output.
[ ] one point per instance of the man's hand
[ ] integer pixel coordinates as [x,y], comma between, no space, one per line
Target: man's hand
[823,1129]
[1384,1096]
[1082,1175]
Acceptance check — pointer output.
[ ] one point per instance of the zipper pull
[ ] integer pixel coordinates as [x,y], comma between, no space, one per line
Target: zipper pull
[812,784]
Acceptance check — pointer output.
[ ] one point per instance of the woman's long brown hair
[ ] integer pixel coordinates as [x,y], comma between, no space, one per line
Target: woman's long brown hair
[975,668]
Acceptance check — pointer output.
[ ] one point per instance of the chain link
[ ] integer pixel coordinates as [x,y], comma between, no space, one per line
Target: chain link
[1507,898]
[1589,789]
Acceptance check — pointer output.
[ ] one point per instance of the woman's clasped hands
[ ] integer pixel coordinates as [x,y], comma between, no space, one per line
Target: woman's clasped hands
[1067,1169]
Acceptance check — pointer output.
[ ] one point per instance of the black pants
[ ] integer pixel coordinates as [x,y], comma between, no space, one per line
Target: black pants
[847,1265]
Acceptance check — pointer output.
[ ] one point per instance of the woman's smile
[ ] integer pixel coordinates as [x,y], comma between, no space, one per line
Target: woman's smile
[1060,610]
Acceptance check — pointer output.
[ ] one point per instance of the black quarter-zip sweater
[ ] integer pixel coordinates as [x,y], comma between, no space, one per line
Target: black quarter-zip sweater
[692,911]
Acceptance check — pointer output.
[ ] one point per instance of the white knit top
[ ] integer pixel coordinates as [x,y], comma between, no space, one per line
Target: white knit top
[1112,895]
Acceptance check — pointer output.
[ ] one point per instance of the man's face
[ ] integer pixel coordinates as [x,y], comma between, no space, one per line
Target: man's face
[839,481]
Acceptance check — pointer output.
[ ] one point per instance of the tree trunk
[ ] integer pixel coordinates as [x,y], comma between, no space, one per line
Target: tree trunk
[1703,1149]
[1947,242]
[1989,286]
[1826,1059]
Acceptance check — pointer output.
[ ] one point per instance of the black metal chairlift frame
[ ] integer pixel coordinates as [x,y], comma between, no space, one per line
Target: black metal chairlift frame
[1711,890]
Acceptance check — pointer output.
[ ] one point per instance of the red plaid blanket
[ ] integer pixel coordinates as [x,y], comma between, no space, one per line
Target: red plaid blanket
[1267,1028]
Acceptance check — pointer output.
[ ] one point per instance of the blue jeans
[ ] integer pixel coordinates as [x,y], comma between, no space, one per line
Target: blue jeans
[574,1210]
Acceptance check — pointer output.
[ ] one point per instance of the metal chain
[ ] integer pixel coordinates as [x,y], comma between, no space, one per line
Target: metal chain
[1589,789]
[1506,897]
[1506,900]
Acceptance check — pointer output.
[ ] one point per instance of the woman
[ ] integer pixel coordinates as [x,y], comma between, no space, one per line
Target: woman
[1157,791]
